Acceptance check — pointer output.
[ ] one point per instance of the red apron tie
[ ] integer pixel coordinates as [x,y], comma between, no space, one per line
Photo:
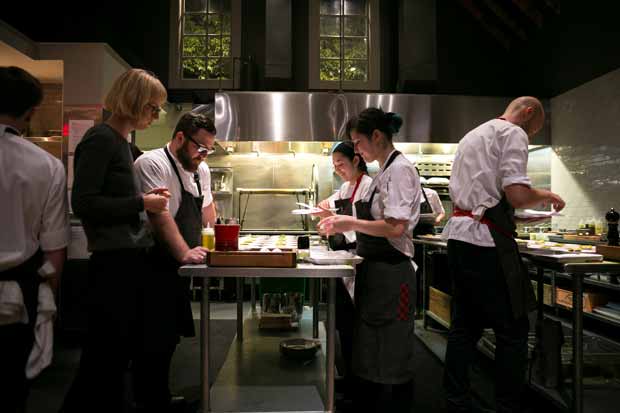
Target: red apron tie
[458,212]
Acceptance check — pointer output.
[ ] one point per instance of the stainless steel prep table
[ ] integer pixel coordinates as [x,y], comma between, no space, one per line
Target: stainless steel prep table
[576,271]
[331,272]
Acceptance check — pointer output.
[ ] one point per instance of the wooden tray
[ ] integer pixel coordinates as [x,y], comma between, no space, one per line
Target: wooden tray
[609,252]
[252,259]
[591,238]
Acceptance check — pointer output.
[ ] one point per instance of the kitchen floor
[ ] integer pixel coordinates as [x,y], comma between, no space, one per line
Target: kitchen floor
[249,377]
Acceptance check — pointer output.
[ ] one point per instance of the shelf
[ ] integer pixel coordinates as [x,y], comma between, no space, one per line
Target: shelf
[228,193]
[603,318]
[586,281]
[551,394]
[438,319]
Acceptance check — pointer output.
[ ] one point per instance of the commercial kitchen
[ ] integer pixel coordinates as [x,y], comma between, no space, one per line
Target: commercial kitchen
[282,81]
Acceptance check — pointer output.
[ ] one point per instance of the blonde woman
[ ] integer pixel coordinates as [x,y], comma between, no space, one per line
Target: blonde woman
[106,197]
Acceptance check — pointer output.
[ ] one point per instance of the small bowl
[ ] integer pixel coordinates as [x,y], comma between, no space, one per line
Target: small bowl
[299,348]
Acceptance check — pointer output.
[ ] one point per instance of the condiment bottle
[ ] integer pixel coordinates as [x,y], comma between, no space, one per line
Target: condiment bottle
[303,248]
[208,238]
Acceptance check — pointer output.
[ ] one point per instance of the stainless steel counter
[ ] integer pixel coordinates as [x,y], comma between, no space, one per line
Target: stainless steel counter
[576,271]
[331,272]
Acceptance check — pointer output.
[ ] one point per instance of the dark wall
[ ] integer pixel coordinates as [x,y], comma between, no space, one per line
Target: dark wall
[580,45]
[136,30]
[570,49]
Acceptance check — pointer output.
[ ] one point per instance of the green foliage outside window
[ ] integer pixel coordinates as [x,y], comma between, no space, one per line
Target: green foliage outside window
[206,40]
[343,47]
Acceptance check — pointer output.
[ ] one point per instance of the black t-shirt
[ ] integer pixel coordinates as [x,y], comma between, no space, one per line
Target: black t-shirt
[105,194]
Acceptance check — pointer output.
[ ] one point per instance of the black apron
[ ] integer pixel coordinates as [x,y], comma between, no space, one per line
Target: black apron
[345,207]
[384,302]
[27,277]
[423,228]
[170,299]
[502,229]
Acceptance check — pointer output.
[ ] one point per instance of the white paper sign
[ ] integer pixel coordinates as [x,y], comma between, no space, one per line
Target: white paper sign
[77,129]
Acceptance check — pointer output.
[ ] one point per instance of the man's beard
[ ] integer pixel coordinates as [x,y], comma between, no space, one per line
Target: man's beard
[186,161]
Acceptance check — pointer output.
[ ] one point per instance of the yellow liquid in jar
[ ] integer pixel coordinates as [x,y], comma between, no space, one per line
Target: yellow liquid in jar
[208,241]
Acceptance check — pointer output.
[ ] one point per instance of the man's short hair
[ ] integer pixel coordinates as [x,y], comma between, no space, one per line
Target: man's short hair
[190,123]
[20,91]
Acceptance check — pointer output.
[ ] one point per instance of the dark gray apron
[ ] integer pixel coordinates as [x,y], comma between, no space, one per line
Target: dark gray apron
[170,310]
[384,300]
[502,229]
[345,207]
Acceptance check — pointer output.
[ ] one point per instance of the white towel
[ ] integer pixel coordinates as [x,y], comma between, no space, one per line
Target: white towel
[43,347]
[13,310]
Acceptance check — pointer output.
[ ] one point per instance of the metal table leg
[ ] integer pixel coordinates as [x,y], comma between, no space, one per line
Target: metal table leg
[424,287]
[253,294]
[204,348]
[239,308]
[331,338]
[315,307]
[577,343]
[540,292]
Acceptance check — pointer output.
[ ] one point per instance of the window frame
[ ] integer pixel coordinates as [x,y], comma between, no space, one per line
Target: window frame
[314,59]
[175,74]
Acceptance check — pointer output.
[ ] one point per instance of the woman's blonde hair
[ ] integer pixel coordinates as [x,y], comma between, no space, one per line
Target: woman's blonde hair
[132,91]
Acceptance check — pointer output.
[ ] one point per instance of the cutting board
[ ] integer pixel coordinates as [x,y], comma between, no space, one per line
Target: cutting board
[609,252]
[591,238]
[252,259]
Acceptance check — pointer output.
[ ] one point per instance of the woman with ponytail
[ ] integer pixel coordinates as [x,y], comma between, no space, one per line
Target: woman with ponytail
[352,169]
[383,336]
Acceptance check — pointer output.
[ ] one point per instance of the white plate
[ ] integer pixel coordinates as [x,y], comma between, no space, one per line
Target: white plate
[334,258]
[532,213]
[306,211]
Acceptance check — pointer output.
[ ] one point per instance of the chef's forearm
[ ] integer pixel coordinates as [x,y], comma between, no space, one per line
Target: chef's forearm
[389,228]
[209,215]
[167,231]
[522,196]
[439,217]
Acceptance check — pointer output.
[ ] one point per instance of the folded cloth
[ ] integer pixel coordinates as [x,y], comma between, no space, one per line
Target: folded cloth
[12,309]
[42,349]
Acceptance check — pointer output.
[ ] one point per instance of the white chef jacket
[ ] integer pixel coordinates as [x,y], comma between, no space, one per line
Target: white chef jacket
[155,171]
[345,191]
[398,197]
[488,159]
[435,203]
[34,211]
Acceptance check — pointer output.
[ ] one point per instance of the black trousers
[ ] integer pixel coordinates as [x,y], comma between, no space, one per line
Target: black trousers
[16,342]
[481,300]
[116,316]
[374,397]
[151,373]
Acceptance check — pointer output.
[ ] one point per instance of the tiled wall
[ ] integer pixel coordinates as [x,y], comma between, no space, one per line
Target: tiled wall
[585,164]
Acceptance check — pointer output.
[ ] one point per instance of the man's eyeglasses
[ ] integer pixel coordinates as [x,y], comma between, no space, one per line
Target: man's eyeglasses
[202,150]
[154,108]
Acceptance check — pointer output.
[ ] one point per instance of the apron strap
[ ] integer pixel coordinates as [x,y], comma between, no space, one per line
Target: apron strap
[387,165]
[423,193]
[197,180]
[174,166]
[357,185]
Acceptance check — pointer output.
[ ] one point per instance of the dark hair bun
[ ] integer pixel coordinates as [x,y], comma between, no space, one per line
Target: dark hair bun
[394,121]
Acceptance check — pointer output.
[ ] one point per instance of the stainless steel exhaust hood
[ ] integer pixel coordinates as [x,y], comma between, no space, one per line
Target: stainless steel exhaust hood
[322,116]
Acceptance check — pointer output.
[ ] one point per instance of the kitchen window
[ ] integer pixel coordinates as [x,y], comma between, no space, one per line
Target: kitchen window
[344,40]
[205,38]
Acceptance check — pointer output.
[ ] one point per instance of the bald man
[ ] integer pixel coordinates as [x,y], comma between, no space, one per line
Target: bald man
[491,284]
